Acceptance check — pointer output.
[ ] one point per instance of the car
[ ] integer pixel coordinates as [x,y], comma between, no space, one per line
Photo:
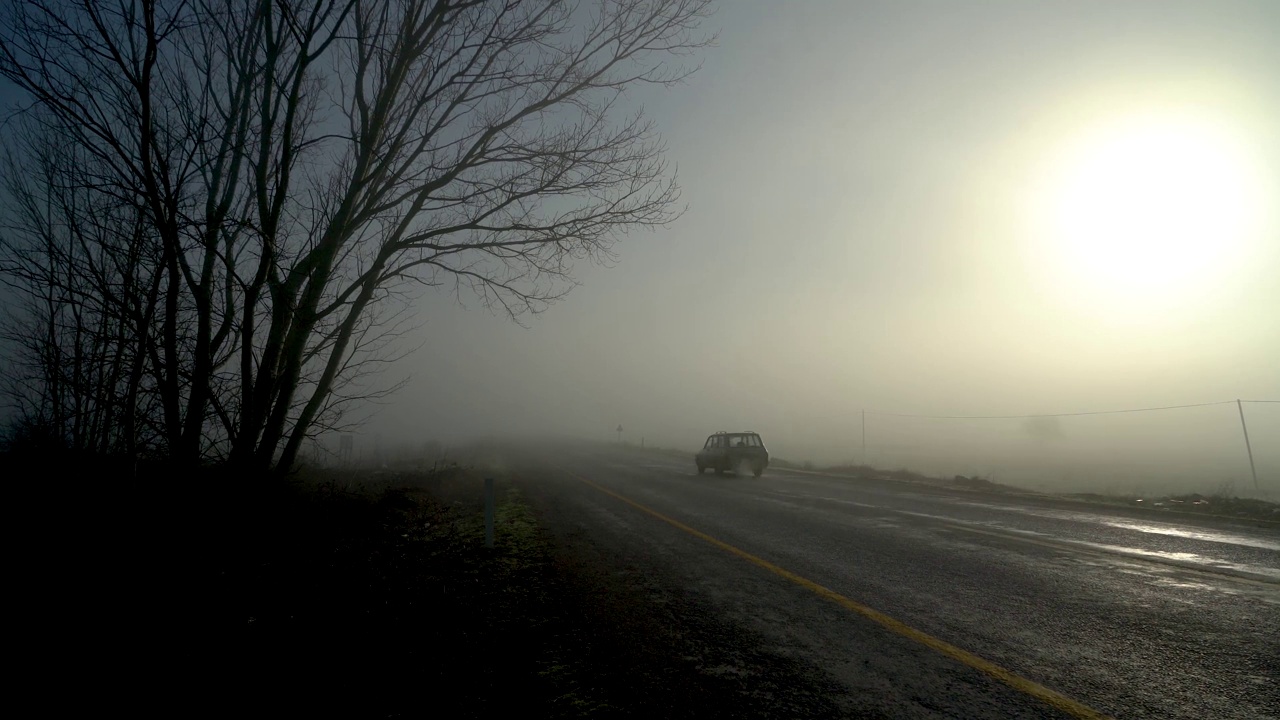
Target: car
[729,451]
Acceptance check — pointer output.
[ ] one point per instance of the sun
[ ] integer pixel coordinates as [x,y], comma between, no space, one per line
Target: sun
[1150,210]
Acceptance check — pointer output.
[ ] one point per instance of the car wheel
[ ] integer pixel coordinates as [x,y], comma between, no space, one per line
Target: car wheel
[757,471]
[701,469]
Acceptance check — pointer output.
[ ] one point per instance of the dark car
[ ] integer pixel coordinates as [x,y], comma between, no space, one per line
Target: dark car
[729,451]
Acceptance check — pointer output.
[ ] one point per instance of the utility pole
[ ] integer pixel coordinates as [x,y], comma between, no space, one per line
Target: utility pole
[864,437]
[619,434]
[1247,448]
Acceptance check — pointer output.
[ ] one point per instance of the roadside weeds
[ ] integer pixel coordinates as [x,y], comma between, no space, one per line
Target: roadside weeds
[342,599]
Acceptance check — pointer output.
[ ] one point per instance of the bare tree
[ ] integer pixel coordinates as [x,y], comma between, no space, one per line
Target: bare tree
[78,333]
[299,166]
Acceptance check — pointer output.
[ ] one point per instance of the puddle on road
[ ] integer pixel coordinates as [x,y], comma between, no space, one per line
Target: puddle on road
[1175,578]
[1190,585]
[1154,528]
[1188,559]
[1185,559]
[1208,535]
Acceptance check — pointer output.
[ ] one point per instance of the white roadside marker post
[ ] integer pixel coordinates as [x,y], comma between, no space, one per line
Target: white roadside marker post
[488,512]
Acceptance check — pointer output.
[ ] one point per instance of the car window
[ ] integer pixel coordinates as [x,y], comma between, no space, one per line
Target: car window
[711,442]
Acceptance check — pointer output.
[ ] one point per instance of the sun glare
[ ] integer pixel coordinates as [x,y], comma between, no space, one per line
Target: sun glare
[1151,210]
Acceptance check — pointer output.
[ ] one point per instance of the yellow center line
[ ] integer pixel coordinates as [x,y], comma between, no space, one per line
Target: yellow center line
[1053,698]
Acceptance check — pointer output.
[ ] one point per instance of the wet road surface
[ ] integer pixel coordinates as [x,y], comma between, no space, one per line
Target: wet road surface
[894,600]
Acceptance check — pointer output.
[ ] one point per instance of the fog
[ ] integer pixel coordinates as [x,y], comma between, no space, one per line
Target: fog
[866,230]
[858,180]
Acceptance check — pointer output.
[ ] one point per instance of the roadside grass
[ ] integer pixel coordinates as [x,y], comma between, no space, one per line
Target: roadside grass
[334,594]
[417,616]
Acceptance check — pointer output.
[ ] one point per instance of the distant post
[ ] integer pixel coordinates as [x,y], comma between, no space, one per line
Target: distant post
[619,433]
[1247,448]
[346,444]
[864,437]
[488,512]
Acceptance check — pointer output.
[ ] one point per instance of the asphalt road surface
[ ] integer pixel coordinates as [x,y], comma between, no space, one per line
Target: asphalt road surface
[830,597]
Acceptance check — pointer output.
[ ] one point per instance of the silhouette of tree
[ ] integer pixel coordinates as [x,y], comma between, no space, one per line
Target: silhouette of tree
[254,188]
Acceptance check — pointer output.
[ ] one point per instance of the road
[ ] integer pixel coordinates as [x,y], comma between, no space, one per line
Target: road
[826,596]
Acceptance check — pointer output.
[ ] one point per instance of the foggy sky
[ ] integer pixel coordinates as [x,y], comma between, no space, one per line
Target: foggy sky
[859,177]
[856,176]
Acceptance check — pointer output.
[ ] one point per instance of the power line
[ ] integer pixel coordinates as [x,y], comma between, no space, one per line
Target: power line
[1070,414]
